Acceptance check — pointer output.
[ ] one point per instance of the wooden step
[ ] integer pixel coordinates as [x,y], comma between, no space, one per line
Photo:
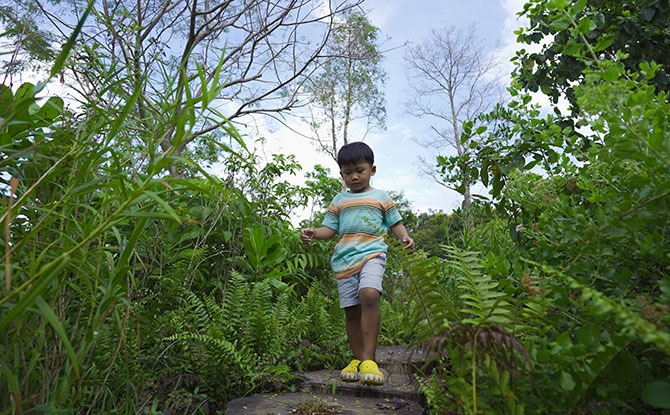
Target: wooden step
[398,395]
[327,382]
[287,403]
[401,360]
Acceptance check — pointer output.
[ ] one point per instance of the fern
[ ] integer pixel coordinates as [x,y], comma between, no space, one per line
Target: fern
[435,307]
[221,352]
[481,301]
[466,313]
[317,326]
[235,301]
[266,333]
[236,345]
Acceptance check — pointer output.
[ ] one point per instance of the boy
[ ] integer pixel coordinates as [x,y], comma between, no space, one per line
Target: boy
[360,216]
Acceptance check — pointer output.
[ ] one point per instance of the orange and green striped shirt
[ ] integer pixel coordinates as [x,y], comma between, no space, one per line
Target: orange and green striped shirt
[360,219]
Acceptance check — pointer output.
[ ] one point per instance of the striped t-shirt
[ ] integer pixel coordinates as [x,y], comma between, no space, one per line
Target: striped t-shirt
[360,219]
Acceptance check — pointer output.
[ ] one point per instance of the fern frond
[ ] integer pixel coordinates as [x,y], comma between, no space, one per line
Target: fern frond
[315,325]
[436,307]
[235,302]
[264,333]
[197,308]
[482,301]
[220,350]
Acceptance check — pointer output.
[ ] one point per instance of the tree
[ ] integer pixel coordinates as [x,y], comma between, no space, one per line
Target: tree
[434,229]
[346,87]
[234,59]
[450,82]
[27,41]
[322,186]
[639,29]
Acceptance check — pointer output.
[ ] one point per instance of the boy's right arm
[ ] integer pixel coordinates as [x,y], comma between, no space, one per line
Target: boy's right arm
[322,233]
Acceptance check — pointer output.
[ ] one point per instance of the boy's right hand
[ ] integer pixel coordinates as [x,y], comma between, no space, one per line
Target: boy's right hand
[306,235]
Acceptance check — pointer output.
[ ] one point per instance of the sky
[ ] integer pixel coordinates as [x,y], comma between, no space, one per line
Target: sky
[396,153]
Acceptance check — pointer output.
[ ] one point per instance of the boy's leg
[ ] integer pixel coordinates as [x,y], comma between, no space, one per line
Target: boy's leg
[368,371]
[369,294]
[360,298]
[354,332]
[348,291]
[369,322]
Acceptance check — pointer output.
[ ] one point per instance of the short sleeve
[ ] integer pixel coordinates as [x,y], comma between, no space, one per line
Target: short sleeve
[332,218]
[391,213]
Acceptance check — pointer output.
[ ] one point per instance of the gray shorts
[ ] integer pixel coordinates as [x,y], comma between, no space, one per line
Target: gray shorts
[370,276]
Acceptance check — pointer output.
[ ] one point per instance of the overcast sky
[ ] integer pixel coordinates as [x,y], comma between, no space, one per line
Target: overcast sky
[396,153]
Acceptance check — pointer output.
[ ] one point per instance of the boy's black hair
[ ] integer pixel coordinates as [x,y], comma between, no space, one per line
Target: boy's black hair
[355,152]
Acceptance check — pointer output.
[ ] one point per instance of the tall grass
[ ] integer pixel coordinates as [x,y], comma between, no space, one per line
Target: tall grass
[76,204]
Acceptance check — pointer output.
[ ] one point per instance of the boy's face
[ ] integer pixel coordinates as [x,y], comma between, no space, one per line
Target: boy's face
[357,176]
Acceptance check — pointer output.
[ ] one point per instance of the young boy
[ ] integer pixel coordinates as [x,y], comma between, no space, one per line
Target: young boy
[360,216]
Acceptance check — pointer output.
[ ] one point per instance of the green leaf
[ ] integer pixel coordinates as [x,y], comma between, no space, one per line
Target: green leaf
[656,139]
[11,378]
[48,313]
[33,287]
[5,100]
[588,335]
[578,7]
[572,48]
[51,109]
[567,382]
[69,45]
[564,340]
[586,25]
[611,74]
[657,394]
[129,248]
[166,207]
[604,42]
[227,235]
[484,174]
[560,25]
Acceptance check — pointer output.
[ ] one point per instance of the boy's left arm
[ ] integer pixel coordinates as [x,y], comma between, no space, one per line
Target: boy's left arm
[401,233]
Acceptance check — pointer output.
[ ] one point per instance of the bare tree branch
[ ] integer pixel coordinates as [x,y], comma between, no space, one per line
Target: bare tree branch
[447,75]
[259,52]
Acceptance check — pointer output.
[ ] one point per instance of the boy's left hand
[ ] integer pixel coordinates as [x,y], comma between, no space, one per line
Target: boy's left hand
[408,241]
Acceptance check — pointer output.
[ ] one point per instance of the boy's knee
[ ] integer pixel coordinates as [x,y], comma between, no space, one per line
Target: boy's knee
[369,296]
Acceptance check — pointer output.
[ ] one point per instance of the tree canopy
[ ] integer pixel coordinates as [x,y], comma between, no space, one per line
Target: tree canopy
[626,30]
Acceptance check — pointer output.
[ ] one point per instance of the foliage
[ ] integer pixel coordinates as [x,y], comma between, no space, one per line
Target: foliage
[73,220]
[567,30]
[118,282]
[433,230]
[31,44]
[115,272]
[580,199]
[469,322]
[322,186]
[209,63]
[179,292]
[320,327]
[230,347]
